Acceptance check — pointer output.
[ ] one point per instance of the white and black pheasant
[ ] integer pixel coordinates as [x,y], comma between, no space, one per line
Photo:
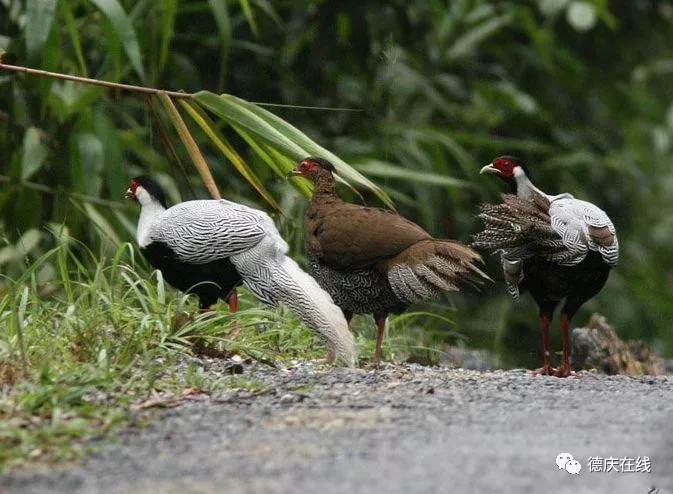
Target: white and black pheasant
[556,247]
[219,242]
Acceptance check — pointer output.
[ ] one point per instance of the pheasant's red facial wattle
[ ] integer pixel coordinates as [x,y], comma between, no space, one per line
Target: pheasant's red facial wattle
[505,166]
[305,167]
[131,191]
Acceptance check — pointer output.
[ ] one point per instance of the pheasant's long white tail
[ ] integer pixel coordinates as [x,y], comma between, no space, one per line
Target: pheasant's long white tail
[278,279]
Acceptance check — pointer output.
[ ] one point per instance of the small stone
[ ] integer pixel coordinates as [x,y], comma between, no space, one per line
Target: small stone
[286,399]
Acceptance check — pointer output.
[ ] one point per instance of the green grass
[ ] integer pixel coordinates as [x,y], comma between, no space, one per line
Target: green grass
[83,352]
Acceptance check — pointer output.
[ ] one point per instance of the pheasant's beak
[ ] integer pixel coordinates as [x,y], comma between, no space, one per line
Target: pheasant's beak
[490,169]
[293,173]
[129,194]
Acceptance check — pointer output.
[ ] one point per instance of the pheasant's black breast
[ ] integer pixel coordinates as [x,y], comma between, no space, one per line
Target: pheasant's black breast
[208,281]
[551,282]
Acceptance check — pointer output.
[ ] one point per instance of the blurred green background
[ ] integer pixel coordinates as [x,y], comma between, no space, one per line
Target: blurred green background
[581,90]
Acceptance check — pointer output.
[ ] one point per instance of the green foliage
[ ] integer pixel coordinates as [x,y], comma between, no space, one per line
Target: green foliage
[579,89]
[82,350]
[88,348]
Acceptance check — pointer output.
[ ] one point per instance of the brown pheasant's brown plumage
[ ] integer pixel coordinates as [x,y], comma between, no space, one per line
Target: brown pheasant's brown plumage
[372,260]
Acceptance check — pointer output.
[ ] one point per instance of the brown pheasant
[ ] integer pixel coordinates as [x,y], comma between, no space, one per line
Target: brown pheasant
[371,260]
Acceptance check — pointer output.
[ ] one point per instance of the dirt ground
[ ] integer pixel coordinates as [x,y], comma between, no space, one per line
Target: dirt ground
[404,428]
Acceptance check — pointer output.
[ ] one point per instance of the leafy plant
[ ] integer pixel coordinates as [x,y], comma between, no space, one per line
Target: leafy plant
[438,90]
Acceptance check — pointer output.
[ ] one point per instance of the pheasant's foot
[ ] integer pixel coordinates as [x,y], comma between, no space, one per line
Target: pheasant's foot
[545,370]
[564,371]
[234,329]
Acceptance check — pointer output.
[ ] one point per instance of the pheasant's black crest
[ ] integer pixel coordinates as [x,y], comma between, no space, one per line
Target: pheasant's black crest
[151,186]
[323,163]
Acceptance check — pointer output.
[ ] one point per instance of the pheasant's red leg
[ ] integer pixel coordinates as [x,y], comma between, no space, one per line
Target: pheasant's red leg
[546,368]
[564,370]
[380,325]
[232,300]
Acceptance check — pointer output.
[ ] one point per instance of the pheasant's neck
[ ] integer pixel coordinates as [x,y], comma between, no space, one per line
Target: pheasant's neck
[524,187]
[324,183]
[148,215]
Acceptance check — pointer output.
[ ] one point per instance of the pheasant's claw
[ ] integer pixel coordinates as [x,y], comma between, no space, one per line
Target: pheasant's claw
[545,370]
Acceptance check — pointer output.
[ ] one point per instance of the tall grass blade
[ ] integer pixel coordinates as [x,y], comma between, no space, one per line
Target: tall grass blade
[123,27]
[223,22]
[66,13]
[39,17]
[250,17]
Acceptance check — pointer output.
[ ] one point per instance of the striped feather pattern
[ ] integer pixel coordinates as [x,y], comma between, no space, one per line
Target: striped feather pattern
[204,231]
[518,228]
[583,226]
[428,267]
[560,229]
[275,278]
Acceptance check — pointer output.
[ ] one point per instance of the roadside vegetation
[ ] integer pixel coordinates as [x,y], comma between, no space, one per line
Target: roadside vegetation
[103,339]
[412,97]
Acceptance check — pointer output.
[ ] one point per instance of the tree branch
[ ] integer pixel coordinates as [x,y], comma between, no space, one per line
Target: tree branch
[96,82]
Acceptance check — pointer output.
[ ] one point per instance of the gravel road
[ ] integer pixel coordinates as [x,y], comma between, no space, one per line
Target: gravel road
[404,428]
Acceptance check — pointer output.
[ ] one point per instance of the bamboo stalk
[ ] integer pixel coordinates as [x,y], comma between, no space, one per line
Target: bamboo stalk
[95,82]
[148,90]
[190,145]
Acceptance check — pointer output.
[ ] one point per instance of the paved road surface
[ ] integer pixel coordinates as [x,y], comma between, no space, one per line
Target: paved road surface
[404,429]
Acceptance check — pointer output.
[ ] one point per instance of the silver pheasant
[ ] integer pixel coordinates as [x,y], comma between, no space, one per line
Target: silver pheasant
[200,232]
[556,247]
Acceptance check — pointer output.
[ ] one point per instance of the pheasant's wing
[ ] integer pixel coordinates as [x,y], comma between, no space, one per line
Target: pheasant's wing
[207,230]
[518,229]
[348,236]
[583,226]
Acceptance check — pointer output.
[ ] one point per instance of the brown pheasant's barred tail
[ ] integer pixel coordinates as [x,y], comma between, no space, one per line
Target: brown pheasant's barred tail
[521,227]
[432,266]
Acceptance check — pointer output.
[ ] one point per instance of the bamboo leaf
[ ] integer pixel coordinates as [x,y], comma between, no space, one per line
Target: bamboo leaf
[247,11]
[34,153]
[471,39]
[92,158]
[190,145]
[276,132]
[115,175]
[346,172]
[500,143]
[39,17]
[379,168]
[123,27]
[99,221]
[221,15]
[272,158]
[229,152]
[66,13]
[169,11]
